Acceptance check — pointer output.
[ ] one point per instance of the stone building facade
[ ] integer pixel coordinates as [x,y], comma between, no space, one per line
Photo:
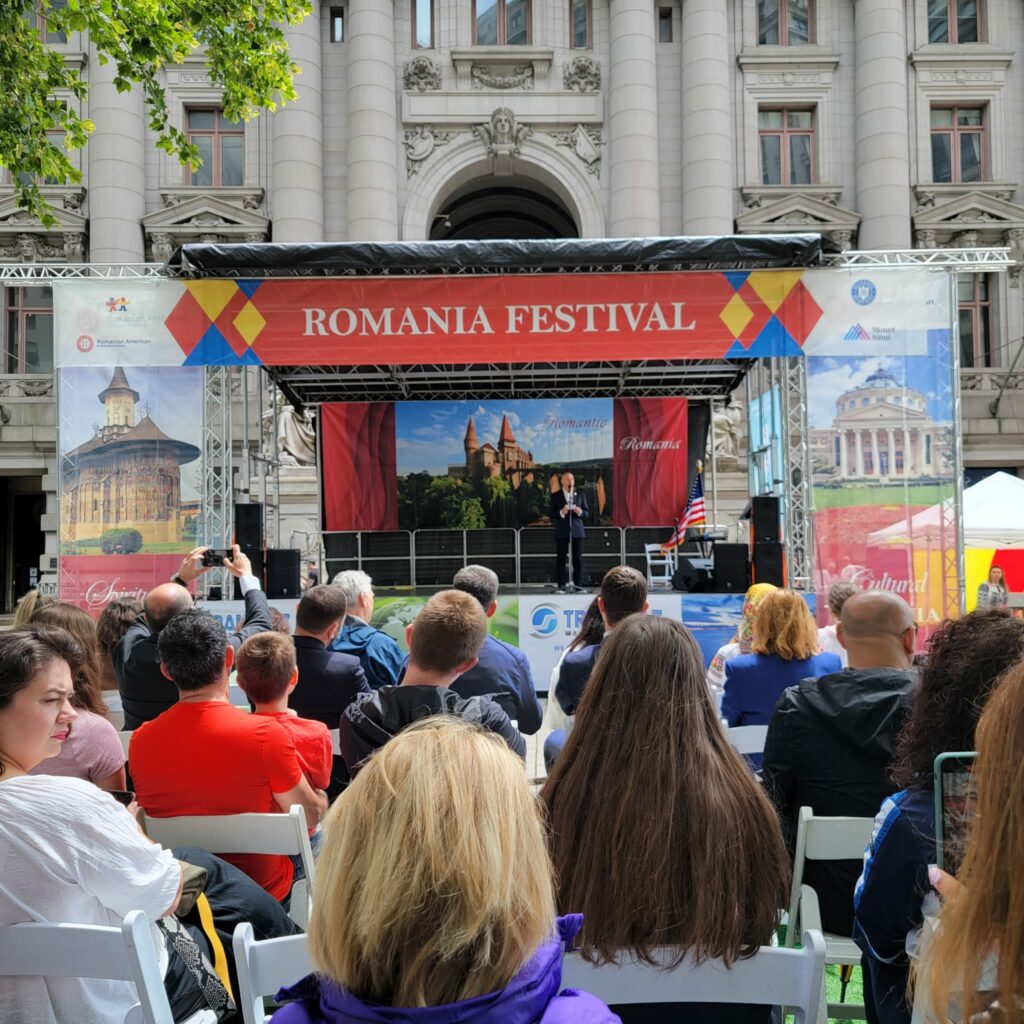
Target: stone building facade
[507,461]
[880,123]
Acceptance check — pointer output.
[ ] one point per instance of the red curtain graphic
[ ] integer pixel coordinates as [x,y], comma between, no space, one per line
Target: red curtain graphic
[649,461]
[358,466]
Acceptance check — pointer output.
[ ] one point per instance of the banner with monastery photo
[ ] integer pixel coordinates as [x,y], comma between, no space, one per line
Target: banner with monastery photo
[882,436]
[130,478]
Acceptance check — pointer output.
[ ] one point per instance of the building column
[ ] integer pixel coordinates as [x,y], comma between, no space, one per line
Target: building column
[633,121]
[876,465]
[708,154]
[891,437]
[844,457]
[881,137]
[117,168]
[372,121]
[859,437]
[297,197]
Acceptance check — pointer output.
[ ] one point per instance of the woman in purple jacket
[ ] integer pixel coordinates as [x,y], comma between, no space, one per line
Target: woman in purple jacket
[435,899]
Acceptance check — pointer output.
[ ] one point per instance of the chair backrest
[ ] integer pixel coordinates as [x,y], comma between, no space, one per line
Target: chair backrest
[264,967]
[748,739]
[772,977]
[115,710]
[126,738]
[336,742]
[819,838]
[91,951]
[243,833]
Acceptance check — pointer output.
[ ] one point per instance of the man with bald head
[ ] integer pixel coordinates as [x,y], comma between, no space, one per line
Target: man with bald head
[145,691]
[831,740]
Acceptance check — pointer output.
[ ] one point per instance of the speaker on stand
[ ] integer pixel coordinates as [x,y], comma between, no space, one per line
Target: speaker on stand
[284,573]
[732,569]
[249,538]
[769,563]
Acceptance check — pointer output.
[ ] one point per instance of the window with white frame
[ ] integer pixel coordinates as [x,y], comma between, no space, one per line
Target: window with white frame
[975,309]
[956,21]
[786,143]
[958,144]
[580,24]
[785,22]
[501,22]
[28,330]
[221,145]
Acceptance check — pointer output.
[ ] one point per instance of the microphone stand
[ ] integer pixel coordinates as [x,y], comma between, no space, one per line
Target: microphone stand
[571,587]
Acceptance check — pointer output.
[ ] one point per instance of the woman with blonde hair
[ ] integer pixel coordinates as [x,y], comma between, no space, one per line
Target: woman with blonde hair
[27,605]
[660,835]
[742,641]
[435,898]
[975,962]
[785,650]
[93,748]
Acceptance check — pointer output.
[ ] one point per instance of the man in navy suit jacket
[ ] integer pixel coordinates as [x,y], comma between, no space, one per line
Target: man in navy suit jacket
[328,680]
[623,592]
[567,510]
[502,671]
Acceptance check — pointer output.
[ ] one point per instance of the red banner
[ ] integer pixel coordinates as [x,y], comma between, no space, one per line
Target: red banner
[358,466]
[650,460]
[92,581]
[497,318]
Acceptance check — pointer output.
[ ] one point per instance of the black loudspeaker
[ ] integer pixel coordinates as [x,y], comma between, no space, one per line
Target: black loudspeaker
[764,519]
[732,569]
[769,563]
[689,579]
[284,577]
[249,538]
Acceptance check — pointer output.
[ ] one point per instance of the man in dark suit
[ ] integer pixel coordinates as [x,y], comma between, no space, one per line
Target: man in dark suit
[567,510]
[145,691]
[623,592]
[328,680]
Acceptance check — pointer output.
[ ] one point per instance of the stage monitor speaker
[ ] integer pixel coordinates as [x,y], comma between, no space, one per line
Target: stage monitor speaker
[284,577]
[691,580]
[249,538]
[769,564]
[732,569]
[764,519]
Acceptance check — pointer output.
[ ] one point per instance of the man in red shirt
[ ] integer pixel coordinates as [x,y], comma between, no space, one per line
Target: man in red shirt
[267,674]
[204,756]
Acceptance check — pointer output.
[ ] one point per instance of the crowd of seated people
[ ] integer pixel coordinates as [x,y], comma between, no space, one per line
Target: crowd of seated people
[440,877]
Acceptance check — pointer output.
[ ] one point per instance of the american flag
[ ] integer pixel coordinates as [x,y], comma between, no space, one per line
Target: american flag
[693,514]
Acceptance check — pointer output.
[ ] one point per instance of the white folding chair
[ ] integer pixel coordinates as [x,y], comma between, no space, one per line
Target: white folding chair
[661,565]
[236,695]
[126,738]
[748,739]
[336,742]
[115,710]
[264,967]
[245,833]
[772,977]
[820,838]
[127,953]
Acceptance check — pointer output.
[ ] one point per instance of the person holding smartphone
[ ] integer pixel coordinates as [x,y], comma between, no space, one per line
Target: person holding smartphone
[966,659]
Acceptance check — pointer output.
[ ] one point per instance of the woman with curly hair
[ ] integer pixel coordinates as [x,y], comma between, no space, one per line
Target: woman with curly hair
[966,658]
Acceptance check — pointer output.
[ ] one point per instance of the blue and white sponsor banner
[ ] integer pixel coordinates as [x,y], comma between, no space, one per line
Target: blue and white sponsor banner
[875,312]
[232,613]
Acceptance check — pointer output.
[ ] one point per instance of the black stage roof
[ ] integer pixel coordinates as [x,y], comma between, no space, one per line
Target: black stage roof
[694,378]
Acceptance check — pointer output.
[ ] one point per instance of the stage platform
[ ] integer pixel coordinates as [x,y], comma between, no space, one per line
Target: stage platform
[538,620]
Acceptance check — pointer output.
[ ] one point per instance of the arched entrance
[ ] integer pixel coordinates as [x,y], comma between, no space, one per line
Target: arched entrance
[503,207]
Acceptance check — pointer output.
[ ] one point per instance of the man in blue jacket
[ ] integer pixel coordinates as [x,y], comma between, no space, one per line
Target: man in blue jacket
[502,671]
[379,654]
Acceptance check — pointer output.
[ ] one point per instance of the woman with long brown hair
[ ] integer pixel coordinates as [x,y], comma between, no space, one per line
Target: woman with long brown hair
[93,748]
[976,958]
[660,835]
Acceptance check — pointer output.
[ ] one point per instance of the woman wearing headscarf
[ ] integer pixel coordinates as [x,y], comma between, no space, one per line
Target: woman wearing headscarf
[742,641]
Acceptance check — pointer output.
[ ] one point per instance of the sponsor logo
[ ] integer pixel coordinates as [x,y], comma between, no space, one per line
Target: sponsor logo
[85,343]
[856,333]
[644,444]
[117,305]
[863,292]
[544,621]
[101,592]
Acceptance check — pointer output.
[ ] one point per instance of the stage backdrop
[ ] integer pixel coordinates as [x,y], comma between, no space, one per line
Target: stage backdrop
[467,465]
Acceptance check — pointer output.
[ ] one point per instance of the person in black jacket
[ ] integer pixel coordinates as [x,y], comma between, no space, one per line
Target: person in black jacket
[831,739]
[145,691]
[443,643]
[567,510]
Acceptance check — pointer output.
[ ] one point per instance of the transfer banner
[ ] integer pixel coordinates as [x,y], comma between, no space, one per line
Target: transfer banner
[507,319]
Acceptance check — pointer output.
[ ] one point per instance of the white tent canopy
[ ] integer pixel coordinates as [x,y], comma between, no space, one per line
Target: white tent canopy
[993,517]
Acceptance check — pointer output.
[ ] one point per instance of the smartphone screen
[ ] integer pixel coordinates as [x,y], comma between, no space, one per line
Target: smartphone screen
[123,796]
[954,807]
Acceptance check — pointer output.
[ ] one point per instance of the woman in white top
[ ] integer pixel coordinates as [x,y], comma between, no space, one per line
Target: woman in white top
[992,593]
[838,594]
[71,853]
[743,639]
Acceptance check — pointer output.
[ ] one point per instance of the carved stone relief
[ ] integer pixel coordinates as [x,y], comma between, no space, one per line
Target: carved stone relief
[421,74]
[502,135]
[582,74]
[585,143]
[520,77]
[420,143]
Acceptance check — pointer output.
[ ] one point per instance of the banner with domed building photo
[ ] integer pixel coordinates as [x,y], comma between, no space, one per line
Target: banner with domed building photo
[129,477]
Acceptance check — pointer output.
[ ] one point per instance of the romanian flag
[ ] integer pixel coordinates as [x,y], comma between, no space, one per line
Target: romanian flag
[693,514]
